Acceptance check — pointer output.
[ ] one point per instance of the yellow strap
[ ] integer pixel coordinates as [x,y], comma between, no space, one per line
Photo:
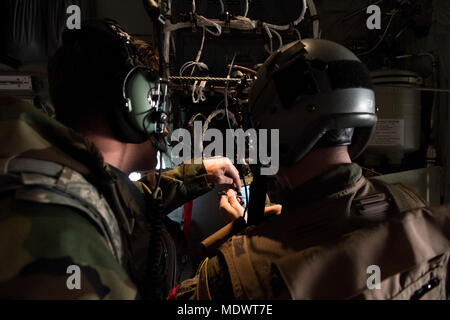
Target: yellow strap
[203,285]
[145,187]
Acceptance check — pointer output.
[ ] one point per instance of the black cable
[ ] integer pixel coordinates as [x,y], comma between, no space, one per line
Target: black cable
[226,92]
[246,199]
[155,273]
[258,191]
[160,171]
[383,37]
[231,128]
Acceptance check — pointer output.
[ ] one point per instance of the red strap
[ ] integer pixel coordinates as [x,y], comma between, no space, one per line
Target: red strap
[173,293]
[187,217]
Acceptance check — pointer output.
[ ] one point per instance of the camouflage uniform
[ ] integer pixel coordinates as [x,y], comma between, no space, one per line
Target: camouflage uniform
[52,222]
[331,232]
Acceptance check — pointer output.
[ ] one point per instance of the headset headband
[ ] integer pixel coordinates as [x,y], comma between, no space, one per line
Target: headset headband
[126,40]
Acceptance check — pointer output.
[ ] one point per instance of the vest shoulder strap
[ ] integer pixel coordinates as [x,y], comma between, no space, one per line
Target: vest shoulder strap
[402,196]
[51,183]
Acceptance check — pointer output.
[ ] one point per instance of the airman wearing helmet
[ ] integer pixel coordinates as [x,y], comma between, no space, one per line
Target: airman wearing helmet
[339,235]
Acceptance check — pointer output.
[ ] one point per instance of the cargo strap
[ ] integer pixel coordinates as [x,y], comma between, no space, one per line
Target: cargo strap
[51,183]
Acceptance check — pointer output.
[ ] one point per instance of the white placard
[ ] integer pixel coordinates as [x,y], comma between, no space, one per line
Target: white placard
[389,132]
[19,83]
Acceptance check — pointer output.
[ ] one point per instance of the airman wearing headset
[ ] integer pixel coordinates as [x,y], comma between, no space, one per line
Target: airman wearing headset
[72,224]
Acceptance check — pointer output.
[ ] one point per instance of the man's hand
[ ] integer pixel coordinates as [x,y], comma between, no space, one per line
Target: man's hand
[274,210]
[221,171]
[230,207]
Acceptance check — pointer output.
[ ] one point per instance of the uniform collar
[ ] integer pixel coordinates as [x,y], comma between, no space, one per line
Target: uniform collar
[329,184]
[130,194]
[45,138]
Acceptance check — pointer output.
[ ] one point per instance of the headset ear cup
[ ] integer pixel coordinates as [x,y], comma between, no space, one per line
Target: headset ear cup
[129,124]
[121,127]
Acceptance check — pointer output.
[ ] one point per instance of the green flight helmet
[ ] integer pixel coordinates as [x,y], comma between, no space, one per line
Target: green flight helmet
[309,88]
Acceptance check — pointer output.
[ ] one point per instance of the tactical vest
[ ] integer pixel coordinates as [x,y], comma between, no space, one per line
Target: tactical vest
[385,226]
[51,183]
[48,182]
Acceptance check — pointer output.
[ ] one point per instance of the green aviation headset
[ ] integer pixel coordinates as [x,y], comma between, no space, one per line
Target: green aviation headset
[139,95]
[143,92]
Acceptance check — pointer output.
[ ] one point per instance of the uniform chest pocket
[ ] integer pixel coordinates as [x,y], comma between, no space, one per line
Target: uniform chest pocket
[426,283]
